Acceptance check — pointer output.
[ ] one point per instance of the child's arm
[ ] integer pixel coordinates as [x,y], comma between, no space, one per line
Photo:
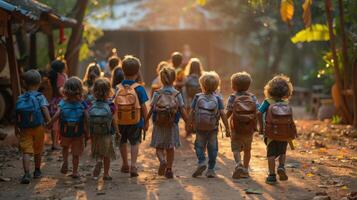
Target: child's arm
[185,118]
[54,118]
[260,121]
[225,122]
[144,112]
[46,113]
[229,114]
[86,124]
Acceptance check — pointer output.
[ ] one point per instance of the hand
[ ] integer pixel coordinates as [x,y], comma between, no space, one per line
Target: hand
[117,135]
[146,125]
[228,133]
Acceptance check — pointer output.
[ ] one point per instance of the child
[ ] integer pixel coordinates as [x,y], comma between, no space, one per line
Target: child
[73,119]
[93,72]
[176,62]
[207,109]
[101,123]
[242,109]
[117,76]
[113,62]
[194,71]
[31,110]
[57,78]
[166,106]
[132,113]
[277,135]
[156,83]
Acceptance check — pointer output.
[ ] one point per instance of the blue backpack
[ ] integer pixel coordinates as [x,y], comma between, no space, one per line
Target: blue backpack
[100,118]
[71,119]
[28,110]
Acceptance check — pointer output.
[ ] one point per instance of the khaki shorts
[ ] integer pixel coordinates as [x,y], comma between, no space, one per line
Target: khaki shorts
[76,144]
[32,140]
[241,142]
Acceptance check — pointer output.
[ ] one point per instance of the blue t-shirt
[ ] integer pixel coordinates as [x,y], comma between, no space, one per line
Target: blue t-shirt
[142,96]
[179,97]
[232,98]
[41,99]
[219,99]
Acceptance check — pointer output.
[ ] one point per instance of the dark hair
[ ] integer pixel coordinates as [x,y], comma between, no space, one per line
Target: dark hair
[57,66]
[279,87]
[73,88]
[131,65]
[93,72]
[117,76]
[176,59]
[101,89]
[32,78]
[241,81]
[113,62]
[194,66]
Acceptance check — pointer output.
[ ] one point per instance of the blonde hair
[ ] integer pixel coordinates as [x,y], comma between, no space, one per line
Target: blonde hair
[194,66]
[73,88]
[210,81]
[279,87]
[241,81]
[102,89]
[167,75]
[161,65]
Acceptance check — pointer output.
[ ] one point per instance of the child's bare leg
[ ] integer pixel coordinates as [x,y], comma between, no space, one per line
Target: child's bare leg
[64,168]
[282,158]
[237,158]
[106,166]
[26,162]
[54,139]
[37,158]
[170,154]
[271,165]
[160,155]
[124,154]
[75,162]
[246,158]
[134,154]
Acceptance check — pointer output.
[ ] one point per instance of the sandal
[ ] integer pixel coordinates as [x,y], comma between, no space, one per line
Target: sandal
[271,179]
[169,174]
[162,168]
[107,178]
[282,174]
[238,171]
[64,168]
[133,172]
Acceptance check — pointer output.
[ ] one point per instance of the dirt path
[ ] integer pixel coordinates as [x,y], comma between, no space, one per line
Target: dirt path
[329,168]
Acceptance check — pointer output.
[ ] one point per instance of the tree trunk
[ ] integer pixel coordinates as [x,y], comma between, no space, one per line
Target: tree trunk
[354,90]
[274,67]
[33,52]
[74,43]
[344,109]
[346,65]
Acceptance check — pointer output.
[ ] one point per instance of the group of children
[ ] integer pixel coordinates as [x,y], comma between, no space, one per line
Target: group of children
[113,113]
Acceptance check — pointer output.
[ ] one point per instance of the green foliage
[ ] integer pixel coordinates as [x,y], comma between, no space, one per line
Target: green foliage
[317,32]
[336,119]
[90,35]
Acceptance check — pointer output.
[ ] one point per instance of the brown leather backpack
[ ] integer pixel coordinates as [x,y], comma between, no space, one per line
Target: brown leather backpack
[279,124]
[166,108]
[244,119]
[127,102]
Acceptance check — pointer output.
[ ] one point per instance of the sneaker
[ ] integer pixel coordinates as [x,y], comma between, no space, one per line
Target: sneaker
[282,174]
[211,173]
[26,178]
[37,173]
[64,168]
[169,174]
[97,169]
[245,173]
[200,169]
[133,172]
[238,171]
[107,178]
[125,169]
[162,168]
[271,179]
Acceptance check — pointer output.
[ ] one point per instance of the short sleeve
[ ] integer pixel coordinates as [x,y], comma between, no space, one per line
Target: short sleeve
[154,98]
[264,107]
[43,101]
[180,100]
[230,103]
[143,97]
[220,103]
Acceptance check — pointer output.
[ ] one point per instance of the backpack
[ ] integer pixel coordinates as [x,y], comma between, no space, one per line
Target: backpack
[127,101]
[279,124]
[28,110]
[193,86]
[244,119]
[100,118]
[166,108]
[71,119]
[206,115]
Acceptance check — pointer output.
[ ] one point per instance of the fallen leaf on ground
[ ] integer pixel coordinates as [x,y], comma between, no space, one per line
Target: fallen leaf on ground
[253,191]
[310,175]
[4,179]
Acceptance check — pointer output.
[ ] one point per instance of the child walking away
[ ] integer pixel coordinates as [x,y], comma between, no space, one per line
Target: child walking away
[176,62]
[242,110]
[93,72]
[131,112]
[102,127]
[207,109]
[57,77]
[31,110]
[167,106]
[113,62]
[117,76]
[279,127]
[73,119]
[156,83]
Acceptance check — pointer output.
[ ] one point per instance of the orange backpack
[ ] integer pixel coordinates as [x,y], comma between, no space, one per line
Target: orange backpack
[244,119]
[279,124]
[128,105]
[166,108]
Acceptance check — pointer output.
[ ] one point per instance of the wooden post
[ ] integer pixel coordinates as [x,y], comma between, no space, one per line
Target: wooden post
[346,65]
[354,92]
[14,72]
[33,51]
[51,46]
